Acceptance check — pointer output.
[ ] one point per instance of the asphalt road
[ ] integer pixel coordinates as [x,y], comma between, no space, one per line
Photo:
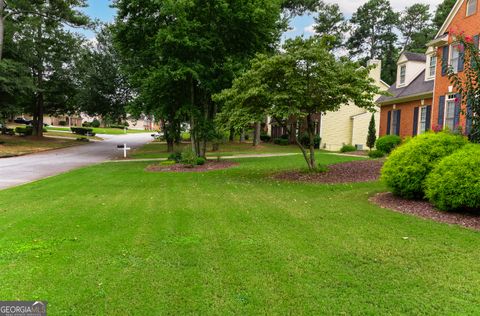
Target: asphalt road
[19,170]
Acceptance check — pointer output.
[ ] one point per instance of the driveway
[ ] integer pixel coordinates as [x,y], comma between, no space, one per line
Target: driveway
[19,170]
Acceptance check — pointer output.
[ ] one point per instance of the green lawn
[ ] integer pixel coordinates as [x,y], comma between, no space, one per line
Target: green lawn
[159,150]
[101,130]
[227,242]
[18,145]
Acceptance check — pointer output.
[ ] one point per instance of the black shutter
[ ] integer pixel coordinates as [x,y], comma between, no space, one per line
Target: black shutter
[445,60]
[428,124]
[441,111]
[458,108]
[397,132]
[415,121]
[389,122]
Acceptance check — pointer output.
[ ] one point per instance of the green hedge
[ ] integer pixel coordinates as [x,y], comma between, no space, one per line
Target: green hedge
[348,148]
[281,141]
[407,167]
[455,182]
[376,154]
[388,143]
[26,131]
[82,131]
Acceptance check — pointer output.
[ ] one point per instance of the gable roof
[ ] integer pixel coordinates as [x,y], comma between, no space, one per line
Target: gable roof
[450,17]
[418,87]
[415,56]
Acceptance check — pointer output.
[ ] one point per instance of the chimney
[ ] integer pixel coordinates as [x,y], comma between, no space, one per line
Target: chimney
[375,73]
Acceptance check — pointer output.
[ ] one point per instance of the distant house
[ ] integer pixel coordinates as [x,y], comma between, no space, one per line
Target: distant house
[408,109]
[349,125]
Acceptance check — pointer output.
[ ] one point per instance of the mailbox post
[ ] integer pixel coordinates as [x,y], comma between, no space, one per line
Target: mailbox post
[124,148]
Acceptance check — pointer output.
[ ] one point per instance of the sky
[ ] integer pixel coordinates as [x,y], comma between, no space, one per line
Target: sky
[100,9]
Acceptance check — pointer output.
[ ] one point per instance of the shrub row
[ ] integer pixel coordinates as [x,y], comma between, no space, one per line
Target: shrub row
[82,131]
[440,167]
[26,131]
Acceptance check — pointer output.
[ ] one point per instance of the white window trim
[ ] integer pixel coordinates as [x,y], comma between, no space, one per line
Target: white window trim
[450,97]
[452,48]
[430,76]
[468,6]
[419,124]
[400,83]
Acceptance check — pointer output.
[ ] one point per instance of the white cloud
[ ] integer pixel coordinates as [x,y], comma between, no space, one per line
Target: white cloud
[350,6]
[309,29]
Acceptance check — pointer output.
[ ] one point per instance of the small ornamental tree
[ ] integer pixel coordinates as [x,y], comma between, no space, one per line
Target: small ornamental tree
[372,133]
[467,84]
[302,80]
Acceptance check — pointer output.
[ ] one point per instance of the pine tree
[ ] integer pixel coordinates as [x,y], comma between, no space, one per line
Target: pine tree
[372,133]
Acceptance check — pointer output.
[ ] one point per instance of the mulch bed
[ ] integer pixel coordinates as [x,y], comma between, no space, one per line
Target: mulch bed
[208,166]
[425,210]
[347,172]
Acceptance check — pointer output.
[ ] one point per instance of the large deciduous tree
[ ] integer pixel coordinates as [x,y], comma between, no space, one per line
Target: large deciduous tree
[195,47]
[303,80]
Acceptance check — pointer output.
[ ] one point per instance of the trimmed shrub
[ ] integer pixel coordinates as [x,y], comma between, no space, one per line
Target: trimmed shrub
[285,136]
[305,140]
[388,143]
[348,148]
[407,167]
[265,138]
[455,182]
[82,131]
[376,154]
[176,156]
[87,124]
[118,126]
[201,161]
[281,141]
[95,123]
[189,157]
[24,131]
[62,123]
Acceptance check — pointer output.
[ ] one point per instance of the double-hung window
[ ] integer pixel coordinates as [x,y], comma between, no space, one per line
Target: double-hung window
[422,120]
[403,74]
[471,7]
[432,66]
[450,112]
[455,56]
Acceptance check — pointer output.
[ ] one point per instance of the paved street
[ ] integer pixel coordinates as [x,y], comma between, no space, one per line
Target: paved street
[19,170]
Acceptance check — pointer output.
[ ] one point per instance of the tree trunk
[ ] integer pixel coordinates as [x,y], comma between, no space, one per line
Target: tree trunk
[170,145]
[2,26]
[232,134]
[38,115]
[311,137]
[242,136]
[256,136]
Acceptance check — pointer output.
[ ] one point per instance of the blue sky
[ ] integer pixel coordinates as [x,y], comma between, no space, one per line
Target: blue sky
[100,9]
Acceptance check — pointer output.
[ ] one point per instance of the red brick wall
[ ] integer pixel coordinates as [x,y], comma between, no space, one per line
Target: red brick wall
[406,116]
[461,23]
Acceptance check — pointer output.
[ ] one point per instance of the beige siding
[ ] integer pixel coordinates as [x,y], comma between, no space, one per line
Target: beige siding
[360,128]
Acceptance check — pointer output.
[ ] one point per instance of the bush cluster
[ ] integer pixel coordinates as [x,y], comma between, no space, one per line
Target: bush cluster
[348,148]
[189,157]
[376,154]
[26,131]
[305,140]
[281,141]
[82,131]
[119,126]
[265,138]
[176,156]
[388,143]
[407,167]
[455,182]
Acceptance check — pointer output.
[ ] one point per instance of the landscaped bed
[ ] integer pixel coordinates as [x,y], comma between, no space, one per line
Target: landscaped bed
[179,167]
[347,172]
[425,209]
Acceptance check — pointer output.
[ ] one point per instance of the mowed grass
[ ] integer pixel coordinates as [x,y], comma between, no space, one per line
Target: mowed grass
[159,149]
[227,242]
[16,145]
[101,130]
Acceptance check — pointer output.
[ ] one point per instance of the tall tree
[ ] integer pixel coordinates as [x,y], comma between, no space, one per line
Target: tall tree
[48,48]
[331,21]
[372,133]
[374,34]
[303,80]
[442,12]
[196,47]
[414,23]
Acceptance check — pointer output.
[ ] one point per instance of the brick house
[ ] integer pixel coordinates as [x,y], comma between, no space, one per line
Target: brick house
[465,18]
[407,111]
